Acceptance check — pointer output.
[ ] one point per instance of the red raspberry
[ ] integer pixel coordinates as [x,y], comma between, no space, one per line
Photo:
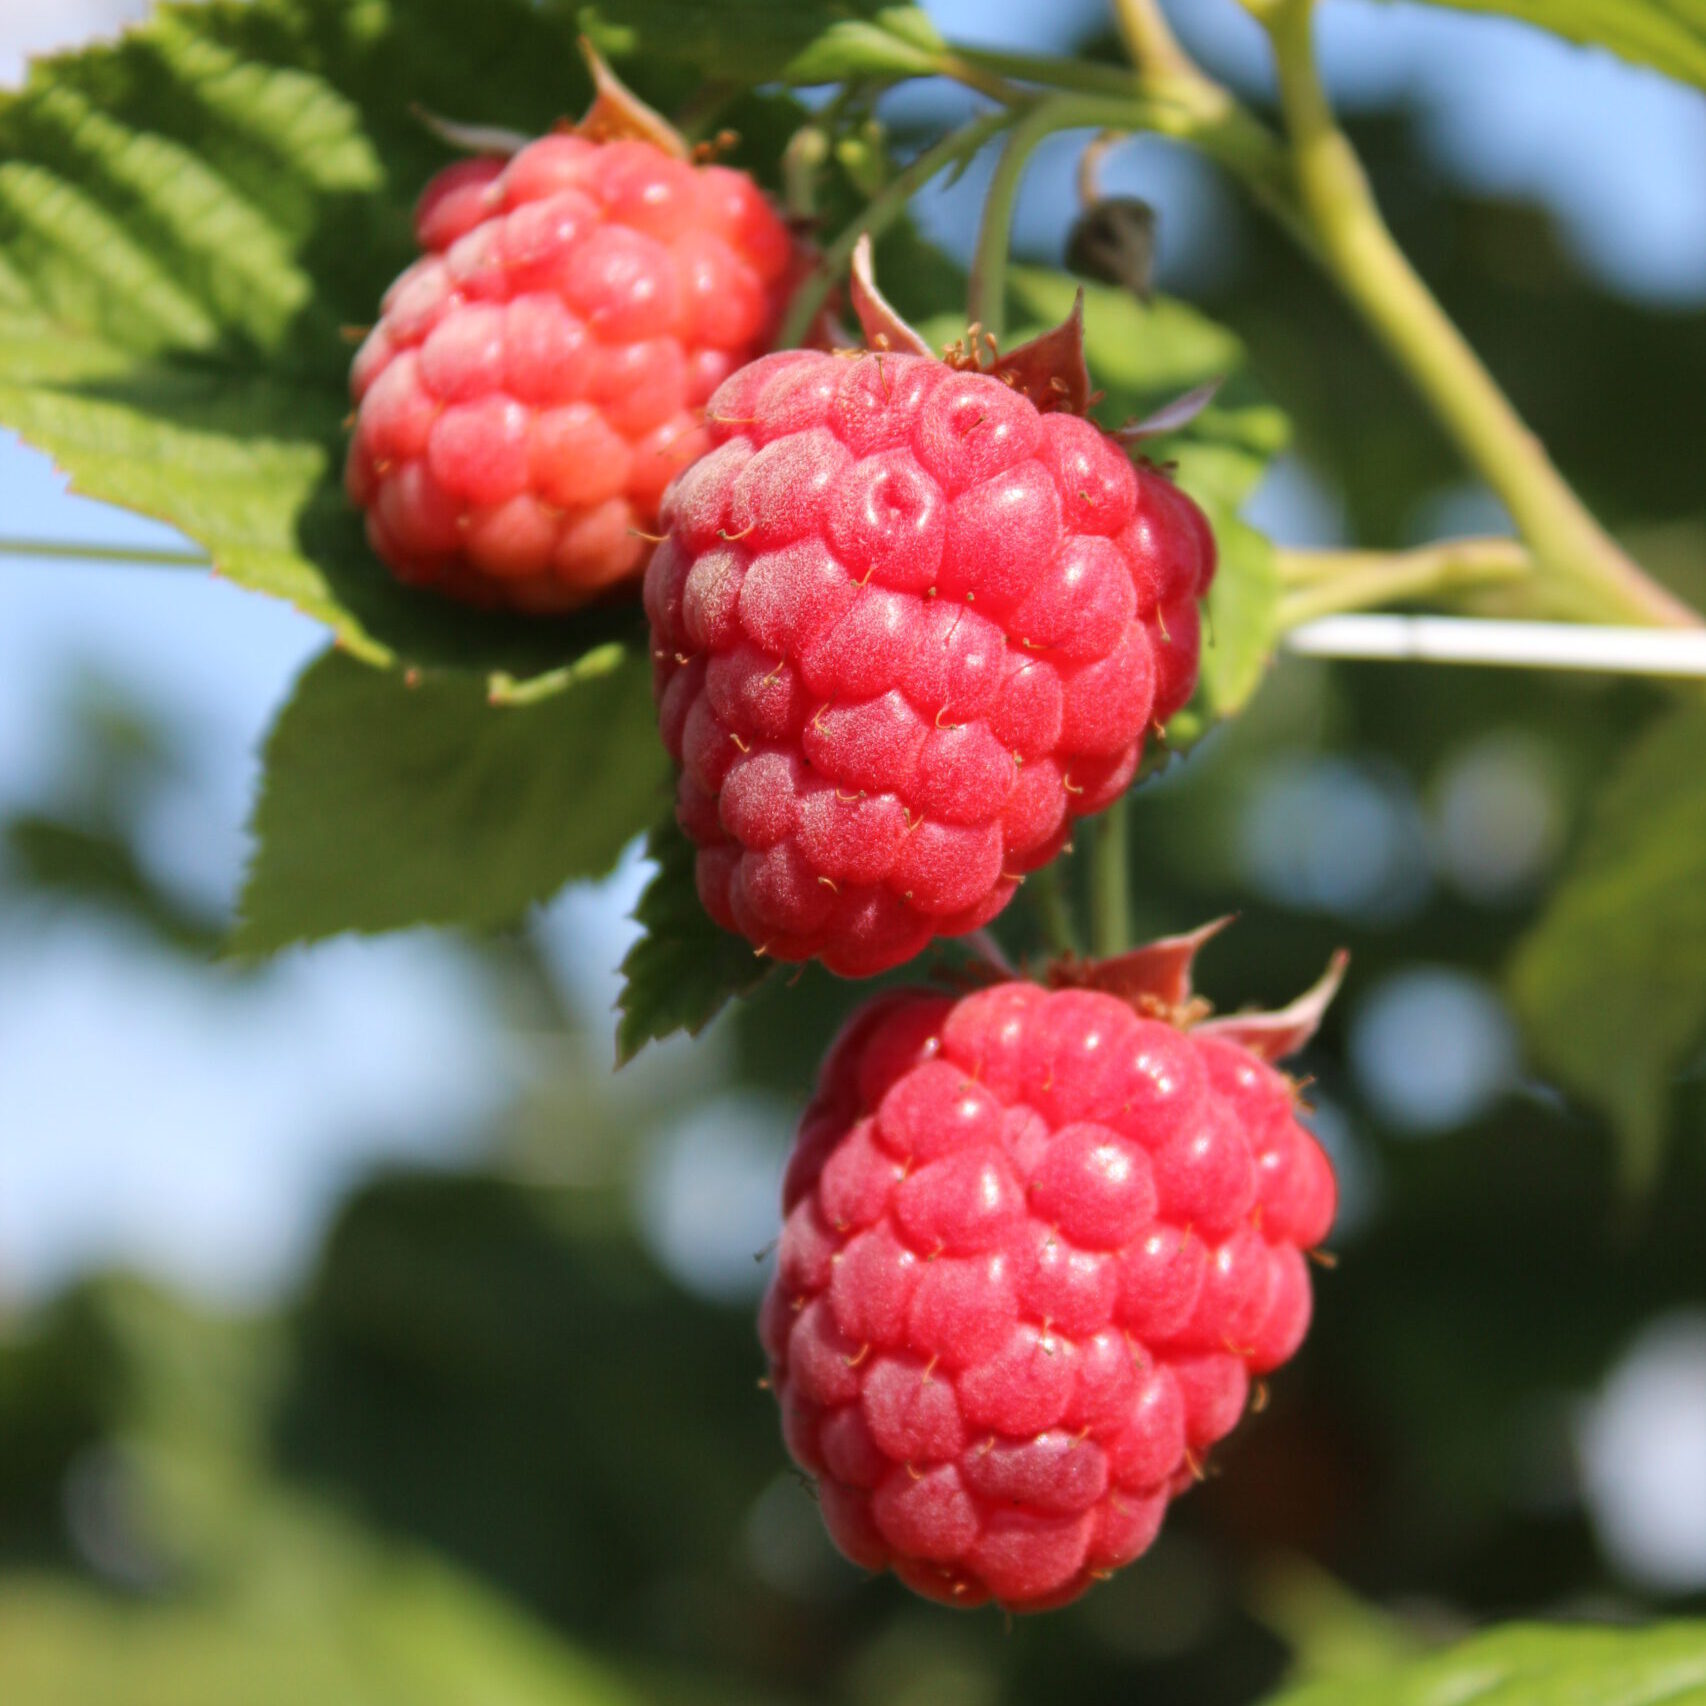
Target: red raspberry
[537,378]
[1035,1247]
[907,626]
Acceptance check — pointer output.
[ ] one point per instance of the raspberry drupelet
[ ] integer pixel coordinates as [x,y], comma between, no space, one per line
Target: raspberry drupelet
[538,377]
[1037,1243]
[910,620]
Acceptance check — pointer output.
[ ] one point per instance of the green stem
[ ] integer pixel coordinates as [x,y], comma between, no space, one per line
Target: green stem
[66,551]
[1323,583]
[1149,39]
[1593,578]
[1048,900]
[1181,104]
[881,212]
[986,289]
[1110,881]
[970,65]
[986,299]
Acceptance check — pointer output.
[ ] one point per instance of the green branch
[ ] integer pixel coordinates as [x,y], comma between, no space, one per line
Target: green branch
[69,551]
[880,213]
[1110,880]
[1150,41]
[1591,577]
[1324,583]
[1047,898]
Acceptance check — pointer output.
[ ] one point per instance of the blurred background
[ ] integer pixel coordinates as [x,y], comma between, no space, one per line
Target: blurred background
[362,1332]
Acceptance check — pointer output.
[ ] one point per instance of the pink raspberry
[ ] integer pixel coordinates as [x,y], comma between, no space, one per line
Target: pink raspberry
[537,378]
[907,626]
[1036,1245]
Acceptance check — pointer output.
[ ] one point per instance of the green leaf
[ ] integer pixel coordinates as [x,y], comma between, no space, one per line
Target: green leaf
[1240,624]
[1330,1630]
[757,41]
[189,218]
[1668,35]
[679,975]
[1536,1665]
[385,805]
[97,867]
[1611,982]
[341,1628]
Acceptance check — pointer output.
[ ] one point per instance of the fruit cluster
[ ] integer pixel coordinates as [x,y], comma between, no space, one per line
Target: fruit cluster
[911,617]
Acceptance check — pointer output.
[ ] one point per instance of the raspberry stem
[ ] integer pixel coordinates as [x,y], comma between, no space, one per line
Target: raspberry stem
[1149,39]
[880,213]
[71,551]
[1324,583]
[1110,885]
[1048,898]
[986,294]
[986,289]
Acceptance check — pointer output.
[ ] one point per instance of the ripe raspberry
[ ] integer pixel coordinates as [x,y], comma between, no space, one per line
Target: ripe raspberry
[908,624]
[1036,1244]
[537,378]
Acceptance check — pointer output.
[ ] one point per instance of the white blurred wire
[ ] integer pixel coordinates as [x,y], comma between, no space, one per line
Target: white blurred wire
[1513,645]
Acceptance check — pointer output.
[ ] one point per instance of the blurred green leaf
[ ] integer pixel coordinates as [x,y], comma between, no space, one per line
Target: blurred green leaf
[1611,982]
[321,1615]
[1669,35]
[756,41]
[189,218]
[1331,1631]
[678,976]
[385,805]
[1240,624]
[1536,1665]
[99,867]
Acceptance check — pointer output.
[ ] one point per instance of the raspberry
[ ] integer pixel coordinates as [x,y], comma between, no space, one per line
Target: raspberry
[1037,1243]
[537,378]
[907,625]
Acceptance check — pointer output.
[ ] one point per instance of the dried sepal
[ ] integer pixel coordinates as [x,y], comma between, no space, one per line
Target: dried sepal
[1155,978]
[884,328]
[1050,369]
[1170,417]
[617,114]
[471,138]
[1273,1036]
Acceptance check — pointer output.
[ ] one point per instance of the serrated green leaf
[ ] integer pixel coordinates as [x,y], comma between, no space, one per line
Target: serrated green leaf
[384,805]
[1240,621]
[1668,35]
[1535,1665]
[682,972]
[189,217]
[1611,983]
[756,41]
